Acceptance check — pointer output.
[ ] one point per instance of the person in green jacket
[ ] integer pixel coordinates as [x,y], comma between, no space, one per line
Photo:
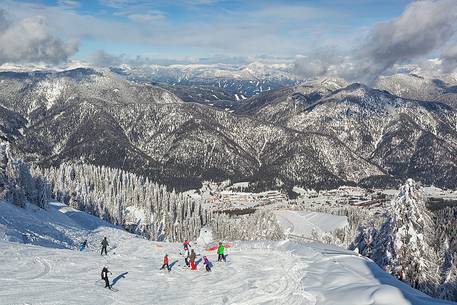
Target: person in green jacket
[220,252]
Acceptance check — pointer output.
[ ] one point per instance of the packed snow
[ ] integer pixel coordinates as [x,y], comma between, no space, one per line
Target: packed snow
[301,223]
[49,268]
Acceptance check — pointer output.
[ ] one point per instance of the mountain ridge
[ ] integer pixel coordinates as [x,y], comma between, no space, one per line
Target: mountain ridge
[316,135]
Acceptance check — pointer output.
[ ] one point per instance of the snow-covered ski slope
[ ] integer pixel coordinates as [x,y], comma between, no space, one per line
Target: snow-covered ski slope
[301,223]
[284,272]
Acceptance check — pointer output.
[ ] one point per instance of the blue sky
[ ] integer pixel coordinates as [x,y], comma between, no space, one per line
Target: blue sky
[205,28]
[354,39]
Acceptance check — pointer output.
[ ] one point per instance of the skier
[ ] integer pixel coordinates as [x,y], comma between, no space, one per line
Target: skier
[186,244]
[220,252]
[193,256]
[83,245]
[165,263]
[104,246]
[207,263]
[105,272]
[186,257]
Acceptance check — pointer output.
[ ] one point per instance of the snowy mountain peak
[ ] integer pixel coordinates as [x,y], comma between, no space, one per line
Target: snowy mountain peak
[360,90]
[366,98]
[423,88]
[328,83]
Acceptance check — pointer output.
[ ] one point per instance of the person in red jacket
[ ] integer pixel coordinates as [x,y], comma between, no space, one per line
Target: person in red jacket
[165,263]
[192,257]
[186,245]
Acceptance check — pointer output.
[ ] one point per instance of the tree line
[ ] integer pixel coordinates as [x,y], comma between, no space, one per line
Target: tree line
[126,199]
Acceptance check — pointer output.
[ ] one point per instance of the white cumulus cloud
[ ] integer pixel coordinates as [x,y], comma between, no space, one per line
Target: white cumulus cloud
[28,40]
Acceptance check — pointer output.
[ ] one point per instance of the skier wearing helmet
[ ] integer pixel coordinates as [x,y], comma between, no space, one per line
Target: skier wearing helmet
[104,275]
[220,252]
[165,263]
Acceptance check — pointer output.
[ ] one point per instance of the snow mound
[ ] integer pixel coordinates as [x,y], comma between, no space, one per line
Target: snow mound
[205,237]
[57,227]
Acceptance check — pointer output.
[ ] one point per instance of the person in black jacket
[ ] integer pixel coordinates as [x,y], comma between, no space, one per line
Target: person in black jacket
[104,246]
[105,272]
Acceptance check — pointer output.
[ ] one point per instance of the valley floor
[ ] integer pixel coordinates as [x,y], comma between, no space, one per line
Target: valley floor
[284,272]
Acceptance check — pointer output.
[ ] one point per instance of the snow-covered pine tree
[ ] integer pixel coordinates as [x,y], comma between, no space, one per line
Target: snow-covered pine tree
[364,240]
[41,192]
[404,245]
[446,234]
[259,225]
[448,287]
[126,199]
[17,185]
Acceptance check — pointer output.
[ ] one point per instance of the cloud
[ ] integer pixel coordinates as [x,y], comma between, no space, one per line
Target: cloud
[241,33]
[150,28]
[68,4]
[425,26]
[449,58]
[298,12]
[117,3]
[103,59]
[145,17]
[149,3]
[323,61]
[201,2]
[135,10]
[28,40]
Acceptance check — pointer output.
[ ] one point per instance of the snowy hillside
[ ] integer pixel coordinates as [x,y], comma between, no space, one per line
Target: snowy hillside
[147,130]
[300,223]
[338,134]
[421,88]
[283,272]
[403,137]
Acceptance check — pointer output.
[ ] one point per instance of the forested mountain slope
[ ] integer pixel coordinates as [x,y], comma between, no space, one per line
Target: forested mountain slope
[405,138]
[105,120]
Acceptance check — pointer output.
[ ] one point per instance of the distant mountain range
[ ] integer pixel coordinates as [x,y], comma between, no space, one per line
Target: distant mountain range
[223,85]
[213,83]
[318,134]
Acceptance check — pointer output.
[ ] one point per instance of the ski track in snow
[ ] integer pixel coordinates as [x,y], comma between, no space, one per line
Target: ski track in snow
[258,272]
[46,268]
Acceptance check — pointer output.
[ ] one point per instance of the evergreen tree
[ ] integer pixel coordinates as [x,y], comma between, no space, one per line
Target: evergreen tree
[126,199]
[17,185]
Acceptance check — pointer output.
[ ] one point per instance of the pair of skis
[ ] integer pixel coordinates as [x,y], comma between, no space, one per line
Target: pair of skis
[101,283]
